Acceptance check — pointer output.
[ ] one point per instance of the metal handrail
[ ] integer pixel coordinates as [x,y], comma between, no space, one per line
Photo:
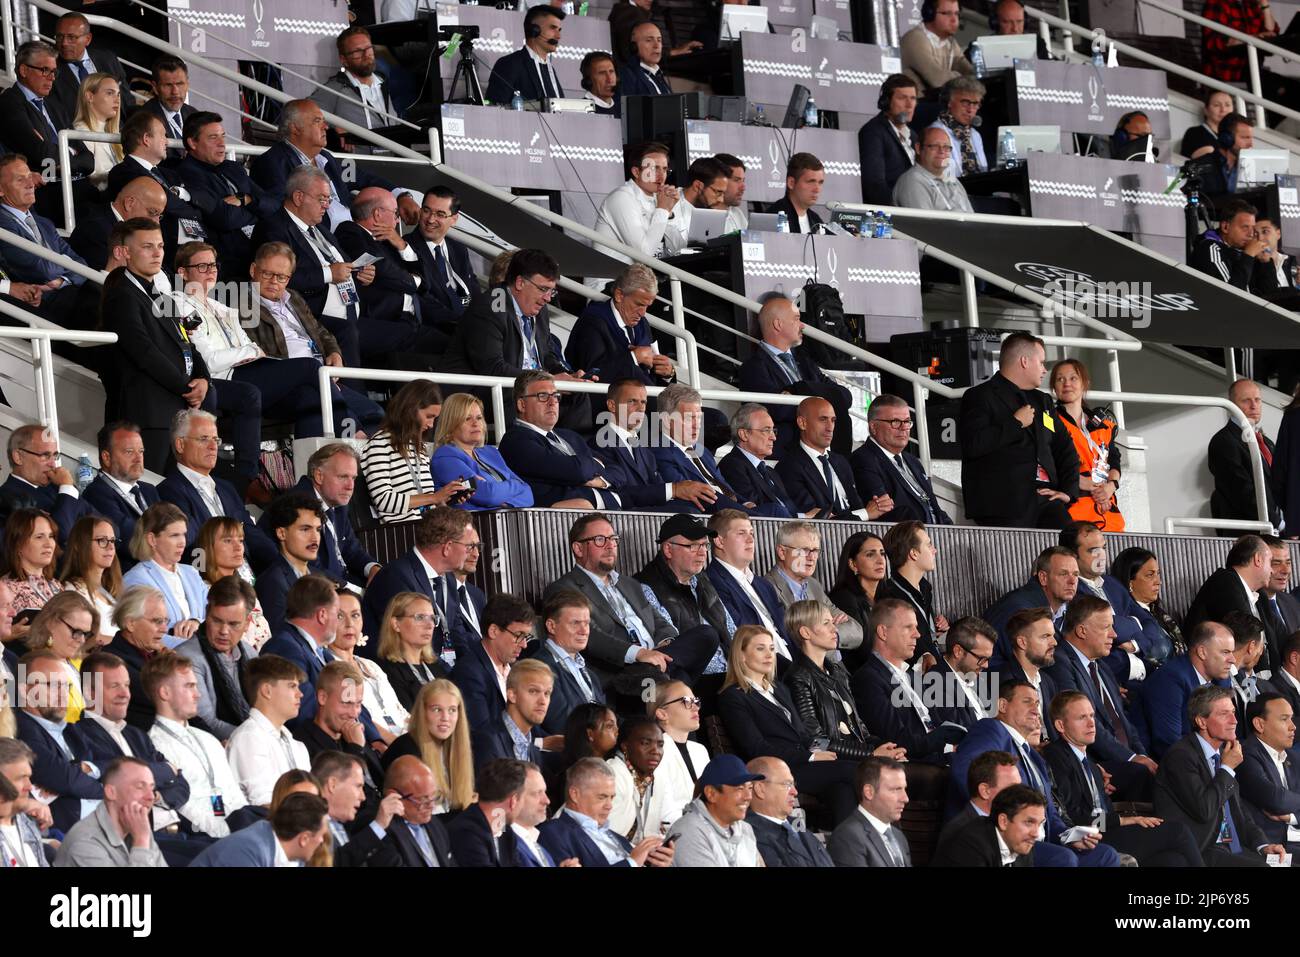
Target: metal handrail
[1235,524]
[36,249]
[43,356]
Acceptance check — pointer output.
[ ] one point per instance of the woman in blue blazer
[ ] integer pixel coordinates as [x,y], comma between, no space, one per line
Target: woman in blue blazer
[459,453]
[158,544]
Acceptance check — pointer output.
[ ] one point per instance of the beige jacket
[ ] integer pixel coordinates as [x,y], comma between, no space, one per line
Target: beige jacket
[929,64]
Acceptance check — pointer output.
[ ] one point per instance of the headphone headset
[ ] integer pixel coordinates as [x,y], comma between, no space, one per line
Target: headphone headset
[1121,134]
[928,10]
[896,82]
[532,31]
[587,62]
[1228,131]
[993,14]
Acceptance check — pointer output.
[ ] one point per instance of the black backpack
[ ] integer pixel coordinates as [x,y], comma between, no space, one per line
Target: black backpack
[823,310]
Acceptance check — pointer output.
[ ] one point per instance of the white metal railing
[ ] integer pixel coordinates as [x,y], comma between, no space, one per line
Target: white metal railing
[36,249]
[1233,524]
[43,357]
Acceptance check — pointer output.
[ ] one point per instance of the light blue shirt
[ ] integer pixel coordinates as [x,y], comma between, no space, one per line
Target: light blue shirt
[776,354]
[522,743]
[530,360]
[625,613]
[422,839]
[602,837]
[800,591]
[574,664]
[19,215]
[32,98]
[1210,753]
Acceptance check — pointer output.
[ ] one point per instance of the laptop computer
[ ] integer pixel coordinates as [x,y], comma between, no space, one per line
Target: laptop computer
[763,222]
[706,224]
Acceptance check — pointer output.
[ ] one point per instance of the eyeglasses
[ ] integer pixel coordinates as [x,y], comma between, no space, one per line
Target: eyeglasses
[429,801]
[896,423]
[690,701]
[105,542]
[521,637]
[469,546]
[277,277]
[439,214]
[600,541]
[798,550]
[79,633]
[360,51]
[421,619]
[42,70]
[156,622]
[698,547]
[202,267]
[43,456]
[547,291]
[545,398]
[974,103]
[941,147]
[768,431]
[203,439]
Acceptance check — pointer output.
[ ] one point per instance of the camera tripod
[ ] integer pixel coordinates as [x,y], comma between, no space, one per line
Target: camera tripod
[466,73]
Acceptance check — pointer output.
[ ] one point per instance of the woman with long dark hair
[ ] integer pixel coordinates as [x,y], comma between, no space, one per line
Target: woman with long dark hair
[91,568]
[1138,570]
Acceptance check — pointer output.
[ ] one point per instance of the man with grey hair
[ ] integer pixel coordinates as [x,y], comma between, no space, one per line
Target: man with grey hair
[581,830]
[38,478]
[190,485]
[1229,460]
[303,128]
[883,466]
[782,363]
[612,339]
[798,548]
[331,477]
[931,184]
[961,99]
[322,274]
[753,436]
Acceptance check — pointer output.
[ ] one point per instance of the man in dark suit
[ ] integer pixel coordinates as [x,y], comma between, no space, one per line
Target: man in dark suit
[1286,680]
[1277,608]
[360,833]
[613,338]
[391,332]
[228,201]
[581,829]
[642,74]
[886,144]
[530,71]
[77,61]
[566,620]
[987,775]
[1019,466]
[1234,478]
[780,843]
[190,485]
[294,523]
[447,282]
[631,467]
[171,88]
[518,729]
[294,832]
[1006,837]
[420,838]
[804,178]
[1080,789]
[966,653]
[1268,773]
[1033,645]
[1248,652]
[117,492]
[311,618]
[1197,785]
[625,16]
[820,481]
[481,673]
[872,838]
[753,436]
[883,467]
[781,363]
[62,765]
[304,145]
[1235,587]
[38,480]
[1086,638]
[57,285]
[749,599]
[1209,660]
[322,275]
[1053,586]
[143,198]
[482,835]
[331,476]
[556,463]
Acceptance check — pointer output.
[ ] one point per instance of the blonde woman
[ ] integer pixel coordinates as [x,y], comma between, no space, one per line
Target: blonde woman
[157,545]
[91,568]
[68,626]
[439,737]
[459,453]
[761,720]
[406,645]
[390,715]
[99,110]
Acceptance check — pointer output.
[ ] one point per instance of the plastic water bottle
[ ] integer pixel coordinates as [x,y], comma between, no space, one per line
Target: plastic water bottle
[810,113]
[1007,150]
[85,472]
[878,225]
[782,222]
[517,102]
[760,118]
[1099,53]
[888,230]
[977,59]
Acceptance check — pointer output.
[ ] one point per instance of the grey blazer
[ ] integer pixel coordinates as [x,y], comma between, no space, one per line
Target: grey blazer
[850,631]
[207,692]
[342,105]
[855,843]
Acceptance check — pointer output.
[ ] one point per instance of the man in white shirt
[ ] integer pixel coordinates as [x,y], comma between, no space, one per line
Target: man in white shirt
[215,799]
[734,200]
[732,536]
[1268,774]
[447,283]
[261,749]
[645,212]
[872,838]
[1287,678]
[930,184]
[358,80]
[632,465]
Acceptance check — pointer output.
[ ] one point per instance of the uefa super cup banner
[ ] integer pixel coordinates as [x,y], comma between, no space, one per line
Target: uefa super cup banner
[281,31]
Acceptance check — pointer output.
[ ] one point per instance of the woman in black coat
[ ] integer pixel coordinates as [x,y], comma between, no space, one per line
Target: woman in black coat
[861,570]
[761,721]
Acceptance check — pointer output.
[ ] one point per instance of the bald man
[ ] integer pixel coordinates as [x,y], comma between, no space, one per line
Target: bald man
[143,197]
[420,837]
[782,363]
[780,842]
[818,478]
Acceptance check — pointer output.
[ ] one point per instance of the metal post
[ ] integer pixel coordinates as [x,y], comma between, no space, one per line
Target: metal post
[922,426]
[65,179]
[326,399]
[968,294]
[435,146]
[1067,35]
[1117,407]
[1045,32]
[679,320]
[1229,365]
[46,385]
[7,38]
[498,411]
[37,382]
[1252,58]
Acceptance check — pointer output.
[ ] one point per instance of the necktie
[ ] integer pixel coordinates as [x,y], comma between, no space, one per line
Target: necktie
[424,844]
[910,480]
[530,346]
[1031,772]
[829,475]
[35,230]
[658,81]
[559,444]
[548,88]
[701,467]
[440,263]
[791,369]
[1098,809]
[139,497]
[326,249]
[1228,829]
[1264,453]
[1116,721]
[797,850]
[176,124]
[39,103]
[79,68]
[895,852]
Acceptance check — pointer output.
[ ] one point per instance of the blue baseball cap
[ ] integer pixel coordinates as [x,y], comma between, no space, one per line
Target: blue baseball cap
[727,770]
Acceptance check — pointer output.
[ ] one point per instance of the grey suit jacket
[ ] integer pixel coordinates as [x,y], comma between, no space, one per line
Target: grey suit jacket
[850,631]
[607,647]
[207,692]
[343,105]
[855,843]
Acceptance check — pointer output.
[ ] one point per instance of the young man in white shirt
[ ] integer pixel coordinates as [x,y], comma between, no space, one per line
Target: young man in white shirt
[261,749]
[645,212]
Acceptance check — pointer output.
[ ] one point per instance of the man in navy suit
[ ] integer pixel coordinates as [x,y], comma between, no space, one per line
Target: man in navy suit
[298,826]
[1016,730]
[753,436]
[62,765]
[1033,645]
[780,363]
[886,144]
[420,838]
[1269,774]
[38,480]
[191,486]
[447,281]
[818,479]
[77,61]
[1237,586]
[142,198]
[1086,638]
[532,811]
[630,467]
[750,599]
[530,71]
[643,75]
[481,673]
[311,618]
[566,619]
[294,522]
[18,216]
[769,814]
[515,732]
[304,145]
[966,653]
[440,547]
[171,87]
[614,339]
[117,492]
[1209,660]
[482,835]
[581,829]
[1286,680]
[1053,586]
[882,466]
[332,476]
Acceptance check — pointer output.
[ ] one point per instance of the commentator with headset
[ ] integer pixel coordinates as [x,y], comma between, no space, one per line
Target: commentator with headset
[886,143]
[1131,137]
[600,80]
[1236,133]
[529,70]
[930,52]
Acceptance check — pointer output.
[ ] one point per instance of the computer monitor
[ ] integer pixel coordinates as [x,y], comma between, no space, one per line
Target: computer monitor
[1033,139]
[1000,52]
[706,224]
[763,222]
[737,20]
[1259,166]
[794,113]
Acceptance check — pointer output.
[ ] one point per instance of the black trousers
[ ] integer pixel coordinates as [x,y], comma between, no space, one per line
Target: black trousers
[1132,781]
[238,407]
[691,651]
[831,783]
[289,391]
[1168,845]
[1222,857]
[346,332]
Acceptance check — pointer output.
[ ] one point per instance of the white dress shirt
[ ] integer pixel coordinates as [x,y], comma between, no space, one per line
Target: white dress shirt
[200,757]
[334,305]
[840,495]
[746,581]
[162,816]
[259,753]
[529,836]
[207,487]
[630,215]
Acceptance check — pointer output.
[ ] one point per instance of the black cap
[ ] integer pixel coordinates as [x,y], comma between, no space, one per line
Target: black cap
[691,529]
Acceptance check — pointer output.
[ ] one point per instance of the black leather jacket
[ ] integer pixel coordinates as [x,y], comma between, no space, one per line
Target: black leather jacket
[820,696]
